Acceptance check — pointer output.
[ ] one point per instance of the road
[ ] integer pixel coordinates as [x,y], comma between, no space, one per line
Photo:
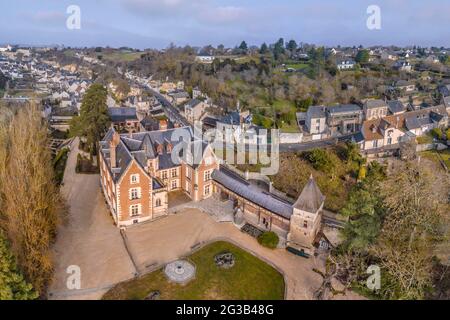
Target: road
[171,112]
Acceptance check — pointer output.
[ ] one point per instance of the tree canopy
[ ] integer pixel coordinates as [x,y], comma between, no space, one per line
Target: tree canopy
[94,120]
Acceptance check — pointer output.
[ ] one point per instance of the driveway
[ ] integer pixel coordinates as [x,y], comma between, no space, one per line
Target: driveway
[156,243]
[87,239]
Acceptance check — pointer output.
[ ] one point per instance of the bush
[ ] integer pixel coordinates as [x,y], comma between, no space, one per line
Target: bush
[437,133]
[447,134]
[268,240]
[321,160]
[362,173]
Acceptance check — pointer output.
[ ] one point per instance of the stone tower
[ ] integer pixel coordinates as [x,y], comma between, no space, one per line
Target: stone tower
[306,218]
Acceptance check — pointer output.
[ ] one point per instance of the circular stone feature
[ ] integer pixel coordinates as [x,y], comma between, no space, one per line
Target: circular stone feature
[224,260]
[180,271]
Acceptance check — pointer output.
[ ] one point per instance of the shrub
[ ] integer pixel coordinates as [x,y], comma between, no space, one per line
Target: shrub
[268,240]
[362,173]
[437,133]
[447,134]
[321,160]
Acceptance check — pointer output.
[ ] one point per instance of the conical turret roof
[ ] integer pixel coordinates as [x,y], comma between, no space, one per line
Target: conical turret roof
[311,198]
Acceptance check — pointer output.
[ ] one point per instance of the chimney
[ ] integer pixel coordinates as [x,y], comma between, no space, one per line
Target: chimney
[112,149]
[163,125]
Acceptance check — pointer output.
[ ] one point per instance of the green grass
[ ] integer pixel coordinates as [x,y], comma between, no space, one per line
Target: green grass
[433,156]
[297,66]
[249,279]
[425,139]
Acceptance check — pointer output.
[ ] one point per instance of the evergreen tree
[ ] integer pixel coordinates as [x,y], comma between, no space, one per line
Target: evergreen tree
[12,284]
[94,120]
[264,49]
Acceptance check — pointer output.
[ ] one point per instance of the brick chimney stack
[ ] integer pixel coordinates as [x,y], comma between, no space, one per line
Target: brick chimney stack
[163,124]
[112,149]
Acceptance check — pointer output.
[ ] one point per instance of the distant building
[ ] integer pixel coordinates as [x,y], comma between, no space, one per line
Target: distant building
[403,65]
[316,120]
[345,64]
[124,119]
[194,110]
[344,119]
[375,108]
[204,59]
[396,107]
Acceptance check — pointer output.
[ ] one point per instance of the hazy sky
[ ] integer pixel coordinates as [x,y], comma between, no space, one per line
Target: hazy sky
[156,23]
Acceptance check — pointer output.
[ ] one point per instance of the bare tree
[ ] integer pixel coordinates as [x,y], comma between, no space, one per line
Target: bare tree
[31,199]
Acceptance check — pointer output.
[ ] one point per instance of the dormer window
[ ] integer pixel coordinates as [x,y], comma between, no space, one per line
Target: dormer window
[134,178]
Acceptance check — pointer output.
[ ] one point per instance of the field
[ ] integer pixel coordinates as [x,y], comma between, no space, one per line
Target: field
[249,278]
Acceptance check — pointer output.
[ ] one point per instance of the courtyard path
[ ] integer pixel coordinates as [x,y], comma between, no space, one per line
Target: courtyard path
[87,239]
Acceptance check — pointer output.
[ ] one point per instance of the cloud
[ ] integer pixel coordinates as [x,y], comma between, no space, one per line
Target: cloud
[47,17]
[223,14]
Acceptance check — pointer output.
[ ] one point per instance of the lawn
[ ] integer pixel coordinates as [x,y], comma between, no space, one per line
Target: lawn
[297,66]
[249,279]
[433,155]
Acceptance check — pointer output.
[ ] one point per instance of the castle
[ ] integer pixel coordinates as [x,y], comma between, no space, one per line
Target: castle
[139,170]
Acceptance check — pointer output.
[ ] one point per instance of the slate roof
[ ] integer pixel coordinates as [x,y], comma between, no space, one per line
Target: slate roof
[316,112]
[344,108]
[311,198]
[232,118]
[121,114]
[240,186]
[142,146]
[375,103]
[192,103]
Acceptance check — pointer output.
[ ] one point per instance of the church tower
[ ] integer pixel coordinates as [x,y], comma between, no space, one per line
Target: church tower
[306,218]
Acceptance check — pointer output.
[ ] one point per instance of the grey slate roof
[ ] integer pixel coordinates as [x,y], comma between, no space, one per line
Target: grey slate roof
[376,103]
[141,146]
[316,112]
[238,185]
[311,198]
[122,114]
[344,108]
[396,106]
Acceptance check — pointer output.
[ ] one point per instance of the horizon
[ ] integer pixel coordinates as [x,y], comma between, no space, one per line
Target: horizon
[145,24]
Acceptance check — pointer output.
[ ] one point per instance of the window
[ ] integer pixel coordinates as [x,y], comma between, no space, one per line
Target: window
[188,173]
[135,193]
[158,202]
[207,175]
[164,175]
[207,190]
[174,184]
[174,173]
[134,178]
[188,187]
[135,210]
[305,224]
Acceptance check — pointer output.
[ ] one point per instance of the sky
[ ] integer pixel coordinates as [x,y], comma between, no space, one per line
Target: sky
[157,23]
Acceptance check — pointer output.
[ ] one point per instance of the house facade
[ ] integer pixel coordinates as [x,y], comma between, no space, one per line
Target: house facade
[137,173]
[375,109]
[194,110]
